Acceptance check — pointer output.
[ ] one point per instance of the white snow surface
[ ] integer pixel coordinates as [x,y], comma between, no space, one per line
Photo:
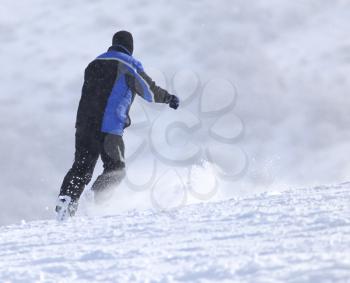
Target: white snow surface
[292,236]
[289,62]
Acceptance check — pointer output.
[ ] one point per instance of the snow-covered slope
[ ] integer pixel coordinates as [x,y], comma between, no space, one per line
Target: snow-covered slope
[294,236]
[289,61]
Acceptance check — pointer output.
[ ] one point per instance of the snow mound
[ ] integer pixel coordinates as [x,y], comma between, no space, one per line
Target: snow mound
[292,236]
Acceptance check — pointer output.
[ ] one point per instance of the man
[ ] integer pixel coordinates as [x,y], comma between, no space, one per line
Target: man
[110,84]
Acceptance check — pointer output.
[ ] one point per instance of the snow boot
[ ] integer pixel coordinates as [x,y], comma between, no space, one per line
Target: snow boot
[65,208]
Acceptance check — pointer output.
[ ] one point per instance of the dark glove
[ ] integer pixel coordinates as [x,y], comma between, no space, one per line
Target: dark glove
[174,102]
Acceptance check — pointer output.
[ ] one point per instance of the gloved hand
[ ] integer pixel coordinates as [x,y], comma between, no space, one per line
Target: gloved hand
[174,102]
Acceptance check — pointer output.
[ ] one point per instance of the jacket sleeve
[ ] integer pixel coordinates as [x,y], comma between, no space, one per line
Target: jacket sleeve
[144,86]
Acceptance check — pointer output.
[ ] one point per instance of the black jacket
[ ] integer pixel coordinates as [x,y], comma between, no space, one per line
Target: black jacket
[100,93]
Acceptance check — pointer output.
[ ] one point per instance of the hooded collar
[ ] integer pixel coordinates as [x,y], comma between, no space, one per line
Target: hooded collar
[119,48]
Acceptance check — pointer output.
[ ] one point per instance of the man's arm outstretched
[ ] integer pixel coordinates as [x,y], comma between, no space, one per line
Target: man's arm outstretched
[144,86]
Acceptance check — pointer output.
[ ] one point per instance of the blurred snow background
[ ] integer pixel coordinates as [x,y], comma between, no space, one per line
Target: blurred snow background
[288,60]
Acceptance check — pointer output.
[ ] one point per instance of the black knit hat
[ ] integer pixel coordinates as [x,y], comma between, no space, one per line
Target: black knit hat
[123,39]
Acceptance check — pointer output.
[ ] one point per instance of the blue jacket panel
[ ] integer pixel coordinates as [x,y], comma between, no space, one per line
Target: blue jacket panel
[115,117]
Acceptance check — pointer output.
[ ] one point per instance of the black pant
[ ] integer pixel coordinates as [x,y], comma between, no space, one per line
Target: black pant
[89,145]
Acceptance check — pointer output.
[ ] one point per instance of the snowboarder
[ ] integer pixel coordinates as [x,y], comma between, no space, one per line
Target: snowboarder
[110,84]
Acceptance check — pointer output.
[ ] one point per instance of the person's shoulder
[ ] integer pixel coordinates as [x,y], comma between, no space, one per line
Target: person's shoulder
[137,65]
[95,64]
[127,59]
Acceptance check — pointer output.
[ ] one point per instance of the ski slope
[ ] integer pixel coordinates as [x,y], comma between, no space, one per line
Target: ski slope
[292,236]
